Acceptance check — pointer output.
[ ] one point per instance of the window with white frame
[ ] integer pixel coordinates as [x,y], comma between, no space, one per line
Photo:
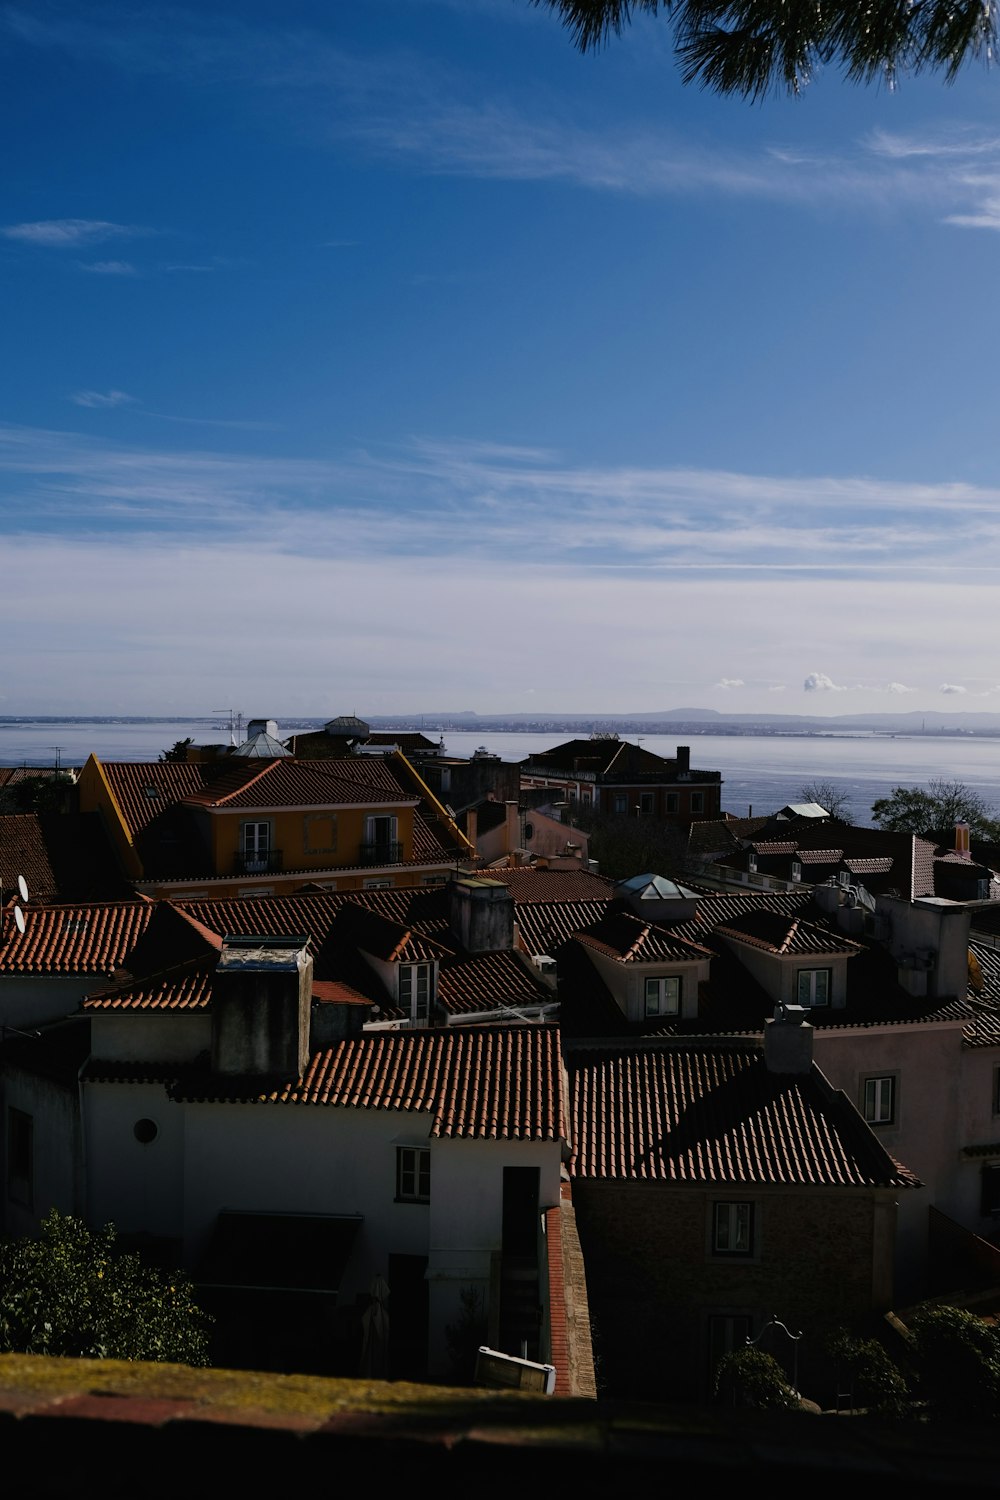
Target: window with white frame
[377,883]
[733,1226]
[416,989]
[879,1097]
[663,996]
[255,845]
[381,830]
[813,986]
[413,1174]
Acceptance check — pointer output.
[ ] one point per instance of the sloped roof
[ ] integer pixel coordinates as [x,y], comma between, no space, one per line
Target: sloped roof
[623,936]
[477,1084]
[784,935]
[78,938]
[185,987]
[62,856]
[528,883]
[713,1113]
[293,783]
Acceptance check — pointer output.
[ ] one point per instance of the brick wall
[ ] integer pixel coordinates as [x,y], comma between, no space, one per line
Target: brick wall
[654,1282]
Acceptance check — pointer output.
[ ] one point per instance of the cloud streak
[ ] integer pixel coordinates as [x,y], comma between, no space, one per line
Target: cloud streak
[66,234]
[408,109]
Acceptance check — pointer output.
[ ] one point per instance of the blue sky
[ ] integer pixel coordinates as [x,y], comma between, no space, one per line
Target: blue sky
[394,356]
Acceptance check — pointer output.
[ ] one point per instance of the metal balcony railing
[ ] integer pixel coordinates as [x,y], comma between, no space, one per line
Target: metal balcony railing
[382,853]
[259,862]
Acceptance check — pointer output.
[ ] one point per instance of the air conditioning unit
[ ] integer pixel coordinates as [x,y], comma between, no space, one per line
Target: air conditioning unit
[544,964]
[844,879]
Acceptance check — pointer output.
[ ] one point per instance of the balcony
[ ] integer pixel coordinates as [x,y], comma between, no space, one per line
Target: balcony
[257,862]
[385,852]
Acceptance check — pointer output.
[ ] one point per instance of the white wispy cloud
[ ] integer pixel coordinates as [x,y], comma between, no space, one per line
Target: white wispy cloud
[439,498]
[101,398]
[68,233]
[951,687]
[819,682]
[730,682]
[409,108]
[899,687]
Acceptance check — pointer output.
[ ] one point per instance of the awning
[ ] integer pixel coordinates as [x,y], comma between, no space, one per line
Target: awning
[279,1252]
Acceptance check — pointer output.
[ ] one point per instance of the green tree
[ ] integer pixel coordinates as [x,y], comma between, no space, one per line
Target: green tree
[756,47]
[73,1292]
[934,809]
[177,751]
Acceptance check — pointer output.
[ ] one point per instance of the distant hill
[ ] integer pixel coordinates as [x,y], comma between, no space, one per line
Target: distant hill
[705,720]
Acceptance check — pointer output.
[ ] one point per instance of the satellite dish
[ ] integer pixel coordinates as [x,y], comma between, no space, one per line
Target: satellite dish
[19,919]
[22,886]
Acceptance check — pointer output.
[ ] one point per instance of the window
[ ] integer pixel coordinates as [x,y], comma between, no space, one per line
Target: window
[20,1158]
[796,870]
[697,802]
[619,803]
[733,1228]
[991,1188]
[813,986]
[663,996]
[996,1090]
[413,1175]
[880,1099]
[255,847]
[646,803]
[378,884]
[727,1332]
[673,802]
[416,989]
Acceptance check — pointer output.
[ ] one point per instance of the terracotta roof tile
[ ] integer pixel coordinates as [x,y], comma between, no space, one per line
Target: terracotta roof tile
[781,934]
[292,783]
[528,884]
[626,937]
[488,982]
[188,987]
[712,1113]
[89,938]
[503,1084]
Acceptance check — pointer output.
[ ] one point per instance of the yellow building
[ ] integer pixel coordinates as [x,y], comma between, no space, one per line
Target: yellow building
[242,827]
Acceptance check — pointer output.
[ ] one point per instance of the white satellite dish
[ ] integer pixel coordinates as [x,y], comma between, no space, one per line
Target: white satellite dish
[22,886]
[19,919]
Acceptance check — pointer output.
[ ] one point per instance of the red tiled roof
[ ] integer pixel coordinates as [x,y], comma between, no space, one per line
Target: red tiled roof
[544,926]
[490,981]
[880,866]
[390,941]
[143,789]
[503,1084]
[821,856]
[529,884]
[292,783]
[88,938]
[780,934]
[188,987]
[626,937]
[712,1113]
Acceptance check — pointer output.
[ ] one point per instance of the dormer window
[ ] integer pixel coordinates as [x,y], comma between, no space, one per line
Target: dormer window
[663,996]
[416,990]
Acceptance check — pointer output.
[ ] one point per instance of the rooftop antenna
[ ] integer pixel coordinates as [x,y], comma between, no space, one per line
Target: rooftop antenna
[235,722]
[58,750]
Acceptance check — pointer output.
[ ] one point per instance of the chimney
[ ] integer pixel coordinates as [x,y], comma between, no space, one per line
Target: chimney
[683,760]
[472,827]
[788,1040]
[513,826]
[260,1007]
[962,840]
[481,915]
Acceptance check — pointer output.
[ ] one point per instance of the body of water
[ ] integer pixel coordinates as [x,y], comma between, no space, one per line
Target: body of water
[759,772]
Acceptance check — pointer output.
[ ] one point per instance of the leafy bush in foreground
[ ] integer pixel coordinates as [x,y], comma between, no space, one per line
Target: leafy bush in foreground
[72,1292]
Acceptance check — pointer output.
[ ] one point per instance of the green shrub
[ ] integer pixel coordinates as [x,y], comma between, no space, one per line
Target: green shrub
[959,1357]
[71,1292]
[749,1377]
[877,1383]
